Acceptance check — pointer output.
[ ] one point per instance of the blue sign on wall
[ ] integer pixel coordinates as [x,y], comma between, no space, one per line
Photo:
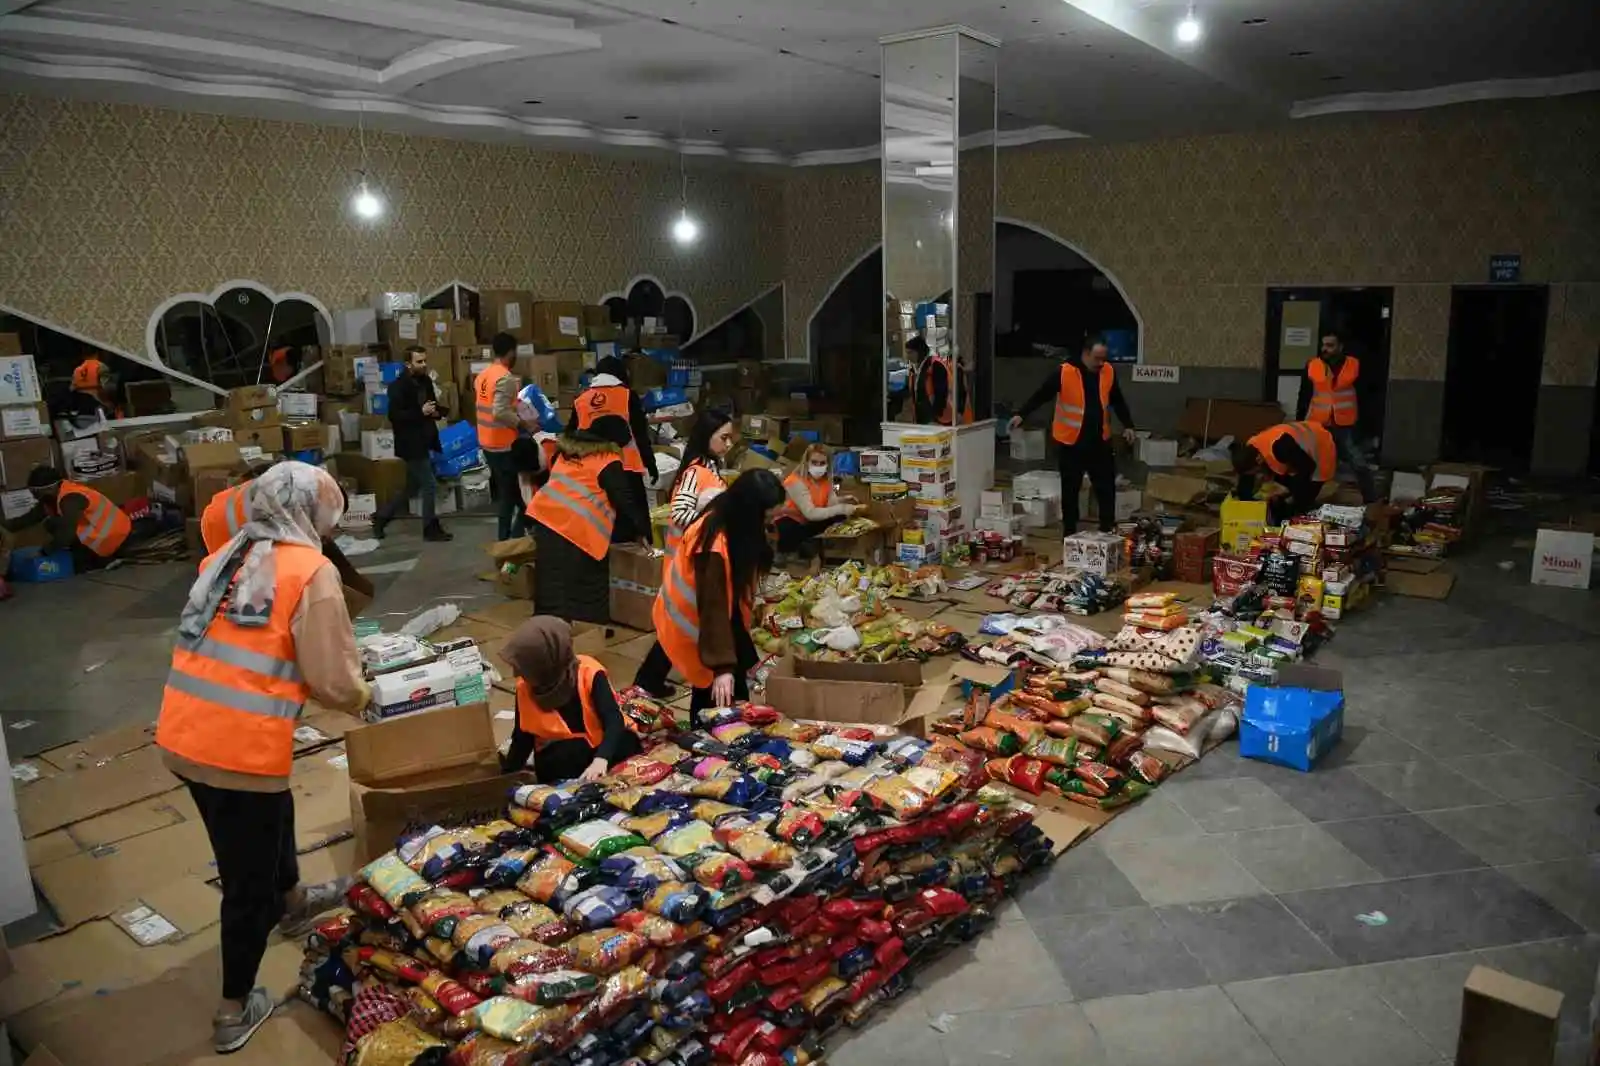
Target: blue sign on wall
[1505,268]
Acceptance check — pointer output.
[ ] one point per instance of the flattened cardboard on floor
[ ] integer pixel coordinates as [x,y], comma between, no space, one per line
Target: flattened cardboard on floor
[188,905]
[505,615]
[1434,586]
[145,816]
[48,847]
[99,748]
[90,884]
[72,797]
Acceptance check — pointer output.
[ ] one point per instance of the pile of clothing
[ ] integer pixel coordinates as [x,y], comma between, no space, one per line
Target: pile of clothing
[733,895]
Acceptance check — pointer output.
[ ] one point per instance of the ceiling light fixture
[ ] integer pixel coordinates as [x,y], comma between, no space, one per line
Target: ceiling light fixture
[367,205]
[685,231]
[1253,22]
[1189,28]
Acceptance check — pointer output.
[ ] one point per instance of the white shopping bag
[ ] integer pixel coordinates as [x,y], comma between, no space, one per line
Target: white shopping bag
[1563,557]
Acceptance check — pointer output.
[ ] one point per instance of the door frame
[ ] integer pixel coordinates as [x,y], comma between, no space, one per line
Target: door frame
[1274,325]
[1449,340]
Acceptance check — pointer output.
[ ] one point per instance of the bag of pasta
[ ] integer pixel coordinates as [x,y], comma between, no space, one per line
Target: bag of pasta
[992,740]
[605,951]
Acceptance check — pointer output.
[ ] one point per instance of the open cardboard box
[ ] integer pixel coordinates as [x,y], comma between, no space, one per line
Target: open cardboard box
[907,706]
[422,768]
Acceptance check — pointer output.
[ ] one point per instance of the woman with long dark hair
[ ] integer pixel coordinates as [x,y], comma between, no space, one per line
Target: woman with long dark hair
[703,612]
[698,482]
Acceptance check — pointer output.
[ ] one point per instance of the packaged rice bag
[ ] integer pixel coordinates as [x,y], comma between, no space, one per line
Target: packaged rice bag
[629,798]
[549,800]
[731,733]
[1112,687]
[448,993]
[1025,728]
[596,907]
[844,749]
[507,867]
[392,879]
[593,841]
[660,932]
[715,868]
[794,732]
[651,826]
[509,1018]
[543,878]
[992,740]
[398,1043]
[676,901]
[479,936]
[528,956]
[758,849]
[1094,729]
[641,770]
[1133,713]
[686,839]
[437,911]
[1100,779]
[1143,680]
[1142,766]
[547,987]
[1179,713]
[740,789]
[605,951]
[638,871]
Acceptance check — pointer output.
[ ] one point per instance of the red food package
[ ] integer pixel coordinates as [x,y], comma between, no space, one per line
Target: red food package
[855,733]
[911,919]
[448,993]
[813,972]
[727,1023]
[942,901]
[642,770]
[722,989]
[364,899]
[849,910]
[782,998]
[1147,768]
[774,1038]
[841,946]
[1126,744]
[890,952]
[479,983]
[1027,773]
[874,930]
[797,909]
[736,1041]
[762,1058]
[758,714]
[1098,778]
[334,931]
[954,819]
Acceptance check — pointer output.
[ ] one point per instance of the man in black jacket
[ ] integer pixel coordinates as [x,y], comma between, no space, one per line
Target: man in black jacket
[415,415]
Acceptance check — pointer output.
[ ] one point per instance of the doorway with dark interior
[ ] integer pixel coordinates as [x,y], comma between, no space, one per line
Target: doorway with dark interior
[1491,388]
[1297,320]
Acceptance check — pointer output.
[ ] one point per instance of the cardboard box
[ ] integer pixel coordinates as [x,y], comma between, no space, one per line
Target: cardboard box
[635,580]
[305,436]
[251,397]
[298,404]
[516,580]
[19,457]
[423,768]
[1506,1021]
[800,689]
[384,479]
[377,443]
[268,438]
[766,428]
[1153,451]
[1103,554]
[1295,722]
[505,311]
[540,370]
[19,378]
[1563,558]
[557,325]
[415,688]
[1190,549]
[1242,522]
[1179,490]
[401,330]
[22,420]
[213,455]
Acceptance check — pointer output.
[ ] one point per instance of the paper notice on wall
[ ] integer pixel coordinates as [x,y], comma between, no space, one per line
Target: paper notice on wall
[406,325]
[1297,336]
[568,325]
[23,422]
[511,316]
[1165,374]
[17,503]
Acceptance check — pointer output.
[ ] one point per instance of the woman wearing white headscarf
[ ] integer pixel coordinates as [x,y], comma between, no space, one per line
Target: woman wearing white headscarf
[265,628]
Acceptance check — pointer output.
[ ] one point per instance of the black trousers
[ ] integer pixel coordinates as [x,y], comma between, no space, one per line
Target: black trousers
[652,673]
[792,534]
[1092,457]
[252,838]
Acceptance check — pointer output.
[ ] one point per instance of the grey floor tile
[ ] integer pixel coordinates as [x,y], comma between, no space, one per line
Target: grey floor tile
[1573,885]
[1296,857]
[1422,786]
[1431,915]
[1116,953]
[1425,992]
[897,1035]
[1032,1036]
[1329,1019]
[1242,939]
[1182,870]
[1368,745]
[1156,817]
[1516,775]
[1574,1053]
[1196,1027]
[1402,845]
[1506,833]
[1082,881]
[1568,966]
[1329,795]
[1441,735]
[1006,967]
[1229,805]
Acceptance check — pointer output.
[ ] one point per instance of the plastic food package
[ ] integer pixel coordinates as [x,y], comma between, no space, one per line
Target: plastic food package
[1094,729]
[597,907]
[1128,693]
[509,1018]
[715,868]
[597,840]
[399,1043]
[549,987]
[686,839]
[605,951]
[392,879]
[660,932]
[1062,751]
[545,875]
[989,739]
[528,956]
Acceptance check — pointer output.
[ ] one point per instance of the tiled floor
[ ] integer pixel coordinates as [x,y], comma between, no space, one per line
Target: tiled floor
[1242,915]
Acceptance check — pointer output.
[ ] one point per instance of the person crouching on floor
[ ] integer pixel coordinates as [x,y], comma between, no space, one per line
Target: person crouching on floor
[567,713]
[265,628]
[811,504]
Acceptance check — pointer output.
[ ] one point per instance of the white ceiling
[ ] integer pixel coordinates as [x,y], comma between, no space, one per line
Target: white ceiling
[786,80]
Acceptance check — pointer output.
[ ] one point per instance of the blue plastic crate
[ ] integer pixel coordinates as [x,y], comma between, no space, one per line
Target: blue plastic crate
[846,463]
[1295,722]
[456,465]
[390,372]
[459,438]
[659,398]
[379,402]
[312,456]
[35,566]
[811,436]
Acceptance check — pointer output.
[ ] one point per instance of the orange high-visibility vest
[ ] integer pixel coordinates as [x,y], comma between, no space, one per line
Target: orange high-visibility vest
[86,375]
[573,504]
[697,477]
[677,610]
[820,493]
[1313,438]
[492,436]
[104,525]
[233,695]
[224,516]
[955,377]
[548,725]
[1068,421]
[596,402]
[1333,396]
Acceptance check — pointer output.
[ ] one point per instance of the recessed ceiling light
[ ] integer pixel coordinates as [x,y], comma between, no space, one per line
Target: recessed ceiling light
[1299,55]
[533,103]
[1333,77]
[630,118]
[1253,22]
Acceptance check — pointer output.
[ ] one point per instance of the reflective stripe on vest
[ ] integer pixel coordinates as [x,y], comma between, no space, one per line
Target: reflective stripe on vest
[232,695]
[677,614]
[1068,420]
[822,489]
[573,505]
[548,725]
[224,516]
[1333,396]
[491,434]
[104,526]
[1310,437]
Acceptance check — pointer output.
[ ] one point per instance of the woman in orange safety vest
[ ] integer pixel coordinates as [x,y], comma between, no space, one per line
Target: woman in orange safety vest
[265,628]
[79,519]
[587,504]
[699,481]
[810,504]
[567,714]
[703,611]
[1300,455]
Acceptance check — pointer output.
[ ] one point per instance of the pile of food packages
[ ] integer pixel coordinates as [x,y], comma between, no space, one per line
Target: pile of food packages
[847,614]
[1314,567]
[1065,591]
[1433,524]
[1104,729]
[734,894]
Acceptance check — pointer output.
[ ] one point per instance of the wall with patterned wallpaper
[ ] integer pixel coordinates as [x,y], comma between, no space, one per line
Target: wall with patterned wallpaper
[1195,229]
[107,210]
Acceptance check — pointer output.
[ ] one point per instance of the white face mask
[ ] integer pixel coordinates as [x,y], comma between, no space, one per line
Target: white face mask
[818,472]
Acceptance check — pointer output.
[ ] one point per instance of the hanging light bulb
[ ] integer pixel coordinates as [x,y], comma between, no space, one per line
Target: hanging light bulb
[685,230]
[1189,28]
[367,204]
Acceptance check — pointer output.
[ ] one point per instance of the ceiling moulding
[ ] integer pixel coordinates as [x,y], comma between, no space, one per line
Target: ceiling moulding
[435,119]
[1446,95]
[1016,138]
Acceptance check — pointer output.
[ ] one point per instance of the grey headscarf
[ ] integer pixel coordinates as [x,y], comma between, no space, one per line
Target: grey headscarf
[291,503]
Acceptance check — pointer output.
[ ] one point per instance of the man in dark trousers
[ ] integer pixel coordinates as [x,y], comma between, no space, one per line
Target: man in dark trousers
[415,415]
[1083,388]
[1329,396]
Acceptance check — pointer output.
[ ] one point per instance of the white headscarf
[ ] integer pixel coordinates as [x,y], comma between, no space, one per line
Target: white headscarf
[291,503]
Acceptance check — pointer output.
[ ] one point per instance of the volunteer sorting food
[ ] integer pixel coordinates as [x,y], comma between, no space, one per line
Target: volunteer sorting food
[702,613]
[264,629]
[1302,455]
[698,482]
[811,504]
[587,504]
[567,713]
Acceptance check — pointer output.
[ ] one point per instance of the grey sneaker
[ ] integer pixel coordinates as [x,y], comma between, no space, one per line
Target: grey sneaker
[230,1032]
[315,901]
